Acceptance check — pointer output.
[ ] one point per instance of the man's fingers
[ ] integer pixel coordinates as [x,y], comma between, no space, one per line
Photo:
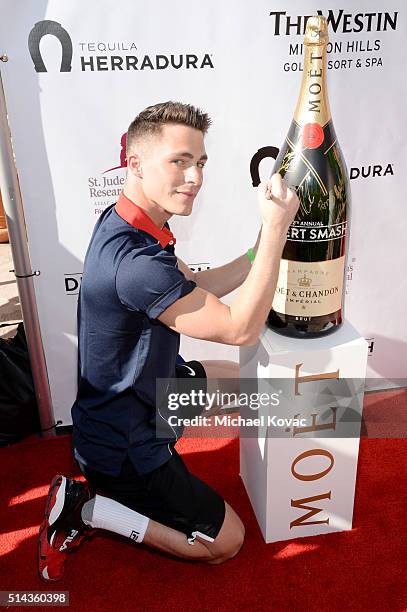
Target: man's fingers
[275,187]
[278,186]
[269,191]
[264,190]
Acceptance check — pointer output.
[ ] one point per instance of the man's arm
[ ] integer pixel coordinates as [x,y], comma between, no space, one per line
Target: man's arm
[221,280]
[202,315]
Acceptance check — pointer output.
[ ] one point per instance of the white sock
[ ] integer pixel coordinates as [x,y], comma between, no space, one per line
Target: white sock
[105,513]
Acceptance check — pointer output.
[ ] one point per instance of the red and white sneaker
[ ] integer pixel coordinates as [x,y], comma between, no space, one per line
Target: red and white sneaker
[62,529]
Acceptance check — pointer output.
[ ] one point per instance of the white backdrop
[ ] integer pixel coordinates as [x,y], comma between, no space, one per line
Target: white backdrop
[241,63]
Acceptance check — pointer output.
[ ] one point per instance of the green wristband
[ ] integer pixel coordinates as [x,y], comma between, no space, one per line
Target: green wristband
[251,256]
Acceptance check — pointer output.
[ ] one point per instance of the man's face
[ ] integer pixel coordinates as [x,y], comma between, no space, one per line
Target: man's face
[171,168]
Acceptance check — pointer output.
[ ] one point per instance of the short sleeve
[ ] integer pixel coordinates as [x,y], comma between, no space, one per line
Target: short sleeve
[150,283]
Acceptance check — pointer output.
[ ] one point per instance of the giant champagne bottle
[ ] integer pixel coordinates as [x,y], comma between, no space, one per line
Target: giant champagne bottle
[309,295]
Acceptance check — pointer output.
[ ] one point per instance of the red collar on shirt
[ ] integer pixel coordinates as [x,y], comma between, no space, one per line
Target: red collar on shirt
[137,217]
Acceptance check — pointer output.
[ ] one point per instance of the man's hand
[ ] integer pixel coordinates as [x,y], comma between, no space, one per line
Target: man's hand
[278,205]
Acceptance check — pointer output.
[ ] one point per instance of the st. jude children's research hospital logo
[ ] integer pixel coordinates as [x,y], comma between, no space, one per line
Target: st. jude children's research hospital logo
[103,56]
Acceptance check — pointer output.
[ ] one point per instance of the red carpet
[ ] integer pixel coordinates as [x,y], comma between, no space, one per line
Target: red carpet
[364,569]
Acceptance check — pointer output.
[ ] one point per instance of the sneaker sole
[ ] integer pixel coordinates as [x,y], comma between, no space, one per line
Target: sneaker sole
[59,502]
[49,520]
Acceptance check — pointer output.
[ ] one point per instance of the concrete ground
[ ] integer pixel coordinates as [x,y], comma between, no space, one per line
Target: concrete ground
[10,310]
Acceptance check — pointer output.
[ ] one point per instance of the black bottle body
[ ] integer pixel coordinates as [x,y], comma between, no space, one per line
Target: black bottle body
[309,296]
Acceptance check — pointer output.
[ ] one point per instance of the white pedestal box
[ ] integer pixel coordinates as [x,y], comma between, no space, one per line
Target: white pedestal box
[298,459]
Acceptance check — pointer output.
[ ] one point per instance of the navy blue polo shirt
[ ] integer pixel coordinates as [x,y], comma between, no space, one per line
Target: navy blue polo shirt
[130,277]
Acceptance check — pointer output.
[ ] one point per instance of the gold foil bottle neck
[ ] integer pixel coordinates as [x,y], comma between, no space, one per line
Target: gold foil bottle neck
[312,105]
[316,32]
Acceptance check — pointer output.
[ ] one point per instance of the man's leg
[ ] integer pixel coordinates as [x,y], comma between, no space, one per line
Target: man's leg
[108,514]
[225,546]
[73,510]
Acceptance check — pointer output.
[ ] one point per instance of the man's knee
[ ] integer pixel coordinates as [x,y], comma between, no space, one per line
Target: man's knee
[229,548]
[230,538]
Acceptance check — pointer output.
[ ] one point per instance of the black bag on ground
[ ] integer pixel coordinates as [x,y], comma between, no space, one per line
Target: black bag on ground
[18,404]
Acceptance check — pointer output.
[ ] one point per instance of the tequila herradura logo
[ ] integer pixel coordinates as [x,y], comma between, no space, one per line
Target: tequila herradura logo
[53,28]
